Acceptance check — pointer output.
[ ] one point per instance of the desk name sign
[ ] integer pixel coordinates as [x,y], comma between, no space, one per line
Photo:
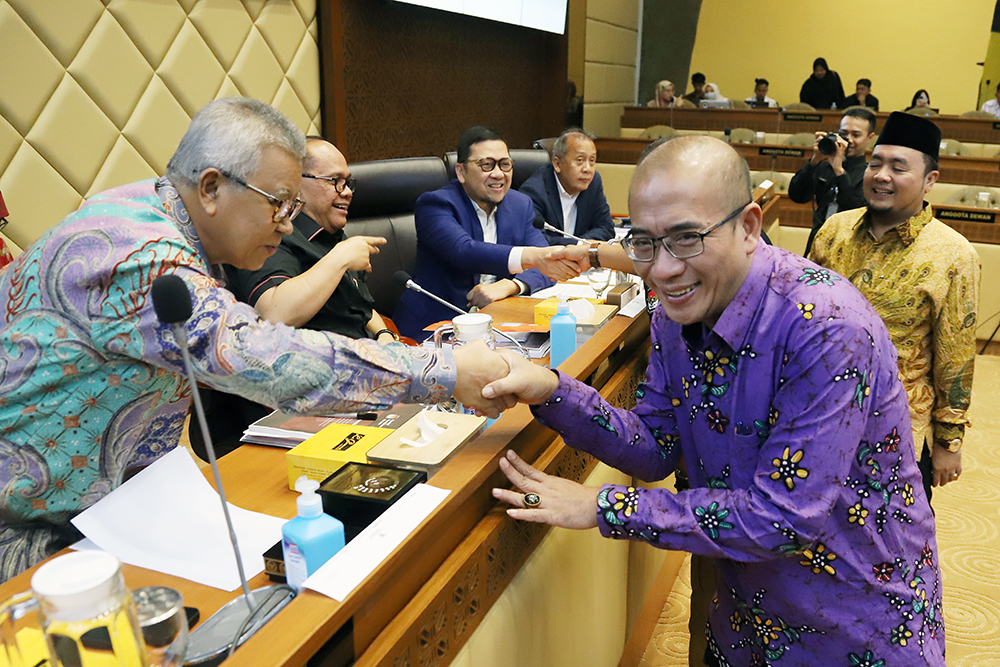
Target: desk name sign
[781,152]
[996,125]
[803,117]
[966,216]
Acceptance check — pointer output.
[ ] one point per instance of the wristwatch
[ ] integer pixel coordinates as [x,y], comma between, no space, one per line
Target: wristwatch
[595,260]
[953,445]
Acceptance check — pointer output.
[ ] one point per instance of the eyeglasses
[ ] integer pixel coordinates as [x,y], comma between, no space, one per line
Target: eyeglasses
[338,183]
[682,246]
[488,164]
[283,208]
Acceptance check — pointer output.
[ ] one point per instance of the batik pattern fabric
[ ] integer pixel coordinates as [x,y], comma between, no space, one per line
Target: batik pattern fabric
[804,483]
[91,382]
[922,277]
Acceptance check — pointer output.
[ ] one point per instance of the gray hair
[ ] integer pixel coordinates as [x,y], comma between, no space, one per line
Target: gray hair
[231,134]
[561,146]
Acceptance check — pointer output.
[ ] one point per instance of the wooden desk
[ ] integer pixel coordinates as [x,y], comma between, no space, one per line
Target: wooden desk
[789,159]
[449,572]
[979,130]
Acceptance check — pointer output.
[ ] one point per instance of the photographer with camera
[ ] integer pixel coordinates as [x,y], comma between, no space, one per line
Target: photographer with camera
[832,177]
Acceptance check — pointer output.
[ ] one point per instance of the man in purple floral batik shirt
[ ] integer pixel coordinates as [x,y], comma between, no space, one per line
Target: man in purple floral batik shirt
[777,383]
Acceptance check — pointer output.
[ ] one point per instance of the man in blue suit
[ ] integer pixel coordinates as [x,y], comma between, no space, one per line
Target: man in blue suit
[568,193]
[475,240]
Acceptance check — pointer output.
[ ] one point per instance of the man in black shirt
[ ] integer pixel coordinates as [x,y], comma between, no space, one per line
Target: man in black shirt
[316,279]
[863,97]
[834,181]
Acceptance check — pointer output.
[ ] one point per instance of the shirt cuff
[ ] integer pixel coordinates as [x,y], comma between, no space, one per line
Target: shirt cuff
[514,260]
[522,287]
[433,375]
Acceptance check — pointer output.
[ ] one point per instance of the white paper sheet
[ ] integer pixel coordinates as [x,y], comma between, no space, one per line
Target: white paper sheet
[342,573]
[168,518]
[634,307]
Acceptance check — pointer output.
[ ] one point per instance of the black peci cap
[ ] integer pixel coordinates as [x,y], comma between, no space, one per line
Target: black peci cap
[916,132]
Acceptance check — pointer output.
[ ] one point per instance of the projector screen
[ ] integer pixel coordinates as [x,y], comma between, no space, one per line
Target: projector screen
[548,15]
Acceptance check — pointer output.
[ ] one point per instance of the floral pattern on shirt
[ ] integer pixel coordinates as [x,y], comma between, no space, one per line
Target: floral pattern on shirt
[803,476]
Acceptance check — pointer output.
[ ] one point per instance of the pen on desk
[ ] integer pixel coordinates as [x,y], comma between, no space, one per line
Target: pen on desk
[367,416]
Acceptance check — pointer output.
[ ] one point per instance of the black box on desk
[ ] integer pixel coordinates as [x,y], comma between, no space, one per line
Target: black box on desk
[359,493]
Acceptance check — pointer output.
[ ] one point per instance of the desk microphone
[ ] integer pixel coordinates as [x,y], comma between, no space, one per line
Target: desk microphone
[539,223]
[231,625]
[403,279]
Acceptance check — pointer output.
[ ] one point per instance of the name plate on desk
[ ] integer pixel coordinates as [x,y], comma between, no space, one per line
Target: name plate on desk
[802,117]
[781,151]
[965,215]
[996,125]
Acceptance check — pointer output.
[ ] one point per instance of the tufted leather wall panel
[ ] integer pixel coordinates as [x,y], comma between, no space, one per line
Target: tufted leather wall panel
[97,93]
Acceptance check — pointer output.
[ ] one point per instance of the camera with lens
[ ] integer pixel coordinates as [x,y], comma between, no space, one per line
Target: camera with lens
[828,144]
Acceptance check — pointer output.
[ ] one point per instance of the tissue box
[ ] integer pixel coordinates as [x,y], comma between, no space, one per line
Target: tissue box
[622,293]
[459,429]
[359,493]
[329,450]
[545,310]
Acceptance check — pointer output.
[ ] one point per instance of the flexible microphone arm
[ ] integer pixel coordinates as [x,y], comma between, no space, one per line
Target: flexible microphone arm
[539,223]
[172,303]
[403,278]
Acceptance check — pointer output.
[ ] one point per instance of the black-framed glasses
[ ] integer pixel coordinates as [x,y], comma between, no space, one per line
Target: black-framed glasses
[338,183]
[488,164]
[684,245]
[283,208]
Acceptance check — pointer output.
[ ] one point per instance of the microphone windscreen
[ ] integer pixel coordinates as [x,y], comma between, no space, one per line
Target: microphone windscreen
[171,299]
[538,222]
[400,278]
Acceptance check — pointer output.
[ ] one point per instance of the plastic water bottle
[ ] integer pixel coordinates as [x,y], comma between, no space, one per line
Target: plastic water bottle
[562,333]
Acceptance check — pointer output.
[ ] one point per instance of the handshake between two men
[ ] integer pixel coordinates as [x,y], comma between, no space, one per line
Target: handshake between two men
[557,263]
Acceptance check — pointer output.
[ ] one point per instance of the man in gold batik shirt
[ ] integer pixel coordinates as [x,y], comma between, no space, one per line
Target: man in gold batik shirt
[922,277]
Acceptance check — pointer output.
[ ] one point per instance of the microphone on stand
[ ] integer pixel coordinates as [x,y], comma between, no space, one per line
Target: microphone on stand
[539,223]
[233,624]
[403,279]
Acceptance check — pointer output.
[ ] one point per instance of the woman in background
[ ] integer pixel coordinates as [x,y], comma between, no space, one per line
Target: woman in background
[823,89]
[920,99]
[664,95]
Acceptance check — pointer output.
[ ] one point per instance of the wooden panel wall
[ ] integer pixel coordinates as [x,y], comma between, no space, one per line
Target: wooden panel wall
[402,81]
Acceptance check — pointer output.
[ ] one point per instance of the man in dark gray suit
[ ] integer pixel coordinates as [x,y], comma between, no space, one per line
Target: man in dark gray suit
[568,192]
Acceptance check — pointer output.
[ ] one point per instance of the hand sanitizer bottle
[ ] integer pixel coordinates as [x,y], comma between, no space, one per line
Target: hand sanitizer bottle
[562,334]
[311,538]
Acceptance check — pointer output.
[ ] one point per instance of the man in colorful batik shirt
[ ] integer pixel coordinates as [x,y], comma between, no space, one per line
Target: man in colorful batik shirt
[922,278]
[776,381]
[92,385]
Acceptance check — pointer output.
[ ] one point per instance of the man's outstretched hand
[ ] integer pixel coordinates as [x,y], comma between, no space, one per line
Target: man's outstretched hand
[525,383]
[478,366]
[560,502]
